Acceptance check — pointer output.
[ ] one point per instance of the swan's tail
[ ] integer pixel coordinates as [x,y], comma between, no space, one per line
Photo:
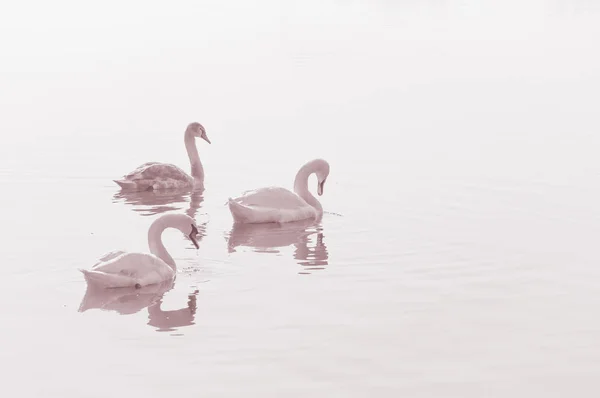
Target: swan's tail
[93,276]
[102,279]
[126,184]
[240,213]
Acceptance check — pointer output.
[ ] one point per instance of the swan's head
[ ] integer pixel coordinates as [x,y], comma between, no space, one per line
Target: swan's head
[322,171]
[197,130]
[184,223]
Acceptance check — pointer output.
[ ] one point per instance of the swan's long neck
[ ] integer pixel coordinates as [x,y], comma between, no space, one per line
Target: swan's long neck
[192,151]
[301,187]
[156,245]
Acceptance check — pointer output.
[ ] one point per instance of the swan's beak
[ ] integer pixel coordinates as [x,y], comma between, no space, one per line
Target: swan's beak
[320,188]
[205,138]
[193,236]
[194,241]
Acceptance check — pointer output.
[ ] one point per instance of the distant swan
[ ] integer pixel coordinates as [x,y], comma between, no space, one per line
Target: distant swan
[122,269]
[274,204]
[156,175]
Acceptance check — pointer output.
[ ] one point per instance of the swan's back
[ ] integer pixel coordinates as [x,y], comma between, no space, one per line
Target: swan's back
[158,170]
[108,256]
[155,175]
[272,197]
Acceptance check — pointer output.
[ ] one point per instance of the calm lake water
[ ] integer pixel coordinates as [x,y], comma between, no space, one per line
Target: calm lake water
[458,254]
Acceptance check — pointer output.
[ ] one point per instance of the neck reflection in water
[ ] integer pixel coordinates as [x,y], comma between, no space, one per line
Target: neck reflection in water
[127,301]
[306,236]
[169,321]
[150,203]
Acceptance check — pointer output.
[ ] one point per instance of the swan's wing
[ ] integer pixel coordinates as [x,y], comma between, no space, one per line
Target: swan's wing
[272,197]
[108,256]
[156,170]
[149,164]
[139,170]
[134,265]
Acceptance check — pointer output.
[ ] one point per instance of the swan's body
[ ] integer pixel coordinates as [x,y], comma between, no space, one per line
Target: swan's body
[123,269]
[157,176]
[275,204]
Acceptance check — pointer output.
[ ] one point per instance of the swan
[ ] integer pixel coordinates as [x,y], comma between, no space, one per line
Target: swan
[275,204]
[156,175]
[122,269]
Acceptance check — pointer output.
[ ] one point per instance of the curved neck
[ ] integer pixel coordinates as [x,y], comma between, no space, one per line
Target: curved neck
[156,246]
[192,151]
[301,187]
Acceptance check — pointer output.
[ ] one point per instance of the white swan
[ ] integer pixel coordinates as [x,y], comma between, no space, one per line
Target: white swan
[122,269]
[274,204]
[156,175]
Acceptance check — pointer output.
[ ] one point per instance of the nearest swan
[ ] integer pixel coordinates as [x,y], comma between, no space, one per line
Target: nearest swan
[122,269]
[274,204]
[156,175]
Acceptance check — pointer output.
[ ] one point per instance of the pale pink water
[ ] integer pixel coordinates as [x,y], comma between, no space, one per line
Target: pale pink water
[458,256]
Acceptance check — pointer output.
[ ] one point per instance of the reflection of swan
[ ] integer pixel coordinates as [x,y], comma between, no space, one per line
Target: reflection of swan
[196,199]
[268,237]
[149,203]
[314,258]
[129,300]
[122,269]
[166,321]
[156,175]
[155,202]
[124,300]
[274,204]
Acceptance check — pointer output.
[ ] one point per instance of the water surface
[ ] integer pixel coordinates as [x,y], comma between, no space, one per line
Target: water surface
[457,256]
